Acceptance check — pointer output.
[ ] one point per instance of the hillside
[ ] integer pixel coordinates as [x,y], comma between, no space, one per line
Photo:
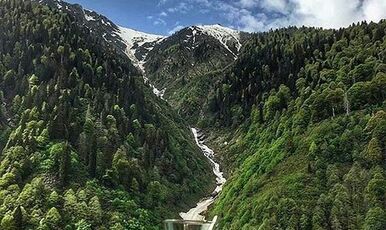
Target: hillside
[308,113]
[182,64]
[85,143]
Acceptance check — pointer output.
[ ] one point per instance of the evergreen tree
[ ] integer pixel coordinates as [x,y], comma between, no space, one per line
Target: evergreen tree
[375,219]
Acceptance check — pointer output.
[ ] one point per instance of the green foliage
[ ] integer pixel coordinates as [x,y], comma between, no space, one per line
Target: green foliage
[83,139]
[330,72]
[52,220]
[310,152]
[86,145]
[375,219]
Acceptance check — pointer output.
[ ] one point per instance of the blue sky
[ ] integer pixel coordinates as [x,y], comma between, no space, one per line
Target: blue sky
[166,16]
[154,16]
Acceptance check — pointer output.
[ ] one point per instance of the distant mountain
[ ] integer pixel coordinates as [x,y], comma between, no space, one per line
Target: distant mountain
[180,64]
[137,45]
[192,37]
[127,41]
[171,63]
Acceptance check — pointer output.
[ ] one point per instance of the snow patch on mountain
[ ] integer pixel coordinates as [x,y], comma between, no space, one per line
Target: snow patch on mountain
[88,16]
[156,91]
[226,36]
[135,39]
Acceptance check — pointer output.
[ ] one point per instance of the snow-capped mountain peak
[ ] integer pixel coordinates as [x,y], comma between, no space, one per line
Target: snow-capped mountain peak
[134,37]
[137,45]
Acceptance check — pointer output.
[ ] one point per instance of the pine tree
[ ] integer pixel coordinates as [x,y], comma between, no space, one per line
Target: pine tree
[95,210]
[65,164]
[52,219]
[87,142]
[373,154]
[18,218]
[122,167]
[375,219]
[7,222]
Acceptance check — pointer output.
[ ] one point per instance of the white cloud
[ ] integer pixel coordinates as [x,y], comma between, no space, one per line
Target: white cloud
[251,23]
[327,13]
[175,29]
[204,11]
[163,14]
[159,21]
[206,3]
[182,7]
[162,2]
[262,15]
[248,3]
[374,10]
[275,5]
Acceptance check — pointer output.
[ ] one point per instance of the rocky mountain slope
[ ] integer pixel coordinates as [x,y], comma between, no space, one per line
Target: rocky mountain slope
[176,65]
[170,63]
[185,61]
[134,43]
[138,44]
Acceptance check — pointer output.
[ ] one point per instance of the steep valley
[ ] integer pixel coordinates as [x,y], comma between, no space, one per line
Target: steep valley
[299,120]
[96,124]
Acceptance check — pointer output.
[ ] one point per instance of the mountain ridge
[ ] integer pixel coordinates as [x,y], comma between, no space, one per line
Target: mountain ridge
[137,44]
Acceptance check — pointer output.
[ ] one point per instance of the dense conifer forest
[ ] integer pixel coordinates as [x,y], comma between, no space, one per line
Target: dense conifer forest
[297,117]
[310,113]
[299,121]
[84,143]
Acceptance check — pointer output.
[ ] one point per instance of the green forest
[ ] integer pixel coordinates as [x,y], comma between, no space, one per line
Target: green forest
[84,143]
[298,121]
[310,113]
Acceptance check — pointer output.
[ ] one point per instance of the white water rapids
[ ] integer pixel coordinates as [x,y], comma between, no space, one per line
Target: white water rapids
[202,206]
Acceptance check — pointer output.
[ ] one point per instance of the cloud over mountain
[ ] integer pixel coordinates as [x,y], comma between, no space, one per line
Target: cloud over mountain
[262,15]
